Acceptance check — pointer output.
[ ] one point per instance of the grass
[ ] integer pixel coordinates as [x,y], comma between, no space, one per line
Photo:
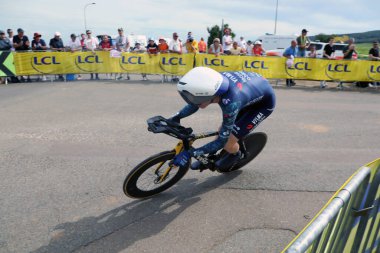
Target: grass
[363,49]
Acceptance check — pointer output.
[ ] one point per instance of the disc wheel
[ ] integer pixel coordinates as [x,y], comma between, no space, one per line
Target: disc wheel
[254,144]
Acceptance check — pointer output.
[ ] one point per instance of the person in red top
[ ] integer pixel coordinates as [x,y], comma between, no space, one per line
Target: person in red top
[105,44]
[258,49]
[152,47]
[163,47]
[202,46]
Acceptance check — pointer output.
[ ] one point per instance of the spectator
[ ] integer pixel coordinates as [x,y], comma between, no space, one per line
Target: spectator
[290,53]
[242,43]
[139,49]
[163,47]
[215,48]
[258,50]
[373,55]
[5,43]
[106,43]
[152,47]
[347,55]
[175,45]
[10,33]
[349,49]
[328,53]
[56,43]
[227,41]
[236,50]
[202,46]
[122,44]
[74,44]
[82,40]
[303,43]
[313,52]
[92,44]
[249,48]
[38,44]
[191,45]
[20,41]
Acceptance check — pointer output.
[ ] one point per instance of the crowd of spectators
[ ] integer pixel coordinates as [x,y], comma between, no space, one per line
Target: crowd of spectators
[300,47]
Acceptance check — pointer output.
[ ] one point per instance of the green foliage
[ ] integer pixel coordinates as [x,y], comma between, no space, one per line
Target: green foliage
[215,32]
[363,50]
[322,37]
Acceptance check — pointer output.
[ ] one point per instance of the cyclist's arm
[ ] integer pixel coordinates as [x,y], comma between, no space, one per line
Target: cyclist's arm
[229,115]
[185,112]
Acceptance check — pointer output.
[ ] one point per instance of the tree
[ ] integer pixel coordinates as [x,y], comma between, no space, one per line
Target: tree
[322,37]
[215,32]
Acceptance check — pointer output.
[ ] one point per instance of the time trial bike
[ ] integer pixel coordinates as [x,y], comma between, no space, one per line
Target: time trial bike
[157,173]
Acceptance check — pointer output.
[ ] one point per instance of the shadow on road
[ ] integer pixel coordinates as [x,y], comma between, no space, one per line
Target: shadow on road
[120,226]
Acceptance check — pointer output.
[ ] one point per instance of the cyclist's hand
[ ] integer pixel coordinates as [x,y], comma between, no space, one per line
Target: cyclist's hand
[182,159]
[175,119]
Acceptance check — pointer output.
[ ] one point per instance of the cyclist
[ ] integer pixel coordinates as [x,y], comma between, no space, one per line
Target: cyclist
[246,99]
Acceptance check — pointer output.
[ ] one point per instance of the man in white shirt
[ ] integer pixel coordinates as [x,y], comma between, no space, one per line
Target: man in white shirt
[227,41]
[249,47]
[91,43]
[74,44]
[122,44]
[175,45]
[242,43]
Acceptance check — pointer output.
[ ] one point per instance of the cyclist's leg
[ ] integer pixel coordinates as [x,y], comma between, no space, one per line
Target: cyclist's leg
[247,122]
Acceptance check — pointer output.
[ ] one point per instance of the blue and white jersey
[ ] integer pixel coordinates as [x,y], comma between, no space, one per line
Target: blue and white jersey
[244,89]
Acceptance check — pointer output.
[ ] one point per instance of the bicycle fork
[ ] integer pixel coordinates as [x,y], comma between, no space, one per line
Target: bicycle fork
[160,178]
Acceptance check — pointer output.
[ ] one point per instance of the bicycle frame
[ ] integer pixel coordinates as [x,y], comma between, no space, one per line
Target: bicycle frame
[182,145]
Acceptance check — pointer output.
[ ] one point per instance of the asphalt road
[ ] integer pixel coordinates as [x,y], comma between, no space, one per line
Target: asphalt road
[65,149]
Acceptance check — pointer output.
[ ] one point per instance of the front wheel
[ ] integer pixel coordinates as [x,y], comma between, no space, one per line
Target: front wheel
[254,144]
[153,175]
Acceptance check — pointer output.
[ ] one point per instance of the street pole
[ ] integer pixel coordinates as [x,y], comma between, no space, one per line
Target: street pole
[84,14]
[275,21]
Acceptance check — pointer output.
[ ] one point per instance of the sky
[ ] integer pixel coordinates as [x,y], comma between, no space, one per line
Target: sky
[154,18]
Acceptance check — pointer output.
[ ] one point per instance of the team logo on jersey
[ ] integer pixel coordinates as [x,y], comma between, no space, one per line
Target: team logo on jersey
[250,126]
[239,85]
[226,100]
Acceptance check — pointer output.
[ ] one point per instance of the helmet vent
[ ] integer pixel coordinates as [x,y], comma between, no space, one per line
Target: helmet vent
[182,83]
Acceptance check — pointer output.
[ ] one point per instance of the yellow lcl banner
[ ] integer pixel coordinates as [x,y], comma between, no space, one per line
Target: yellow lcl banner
[34,63]
[37,63]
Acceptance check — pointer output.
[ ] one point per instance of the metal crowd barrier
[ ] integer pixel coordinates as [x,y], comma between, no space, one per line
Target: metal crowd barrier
[349,222]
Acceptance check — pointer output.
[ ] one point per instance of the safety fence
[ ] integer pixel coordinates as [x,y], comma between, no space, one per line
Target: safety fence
[350,221]
[37,63]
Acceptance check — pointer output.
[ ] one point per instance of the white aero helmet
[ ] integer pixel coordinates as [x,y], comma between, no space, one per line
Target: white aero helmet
[201,85]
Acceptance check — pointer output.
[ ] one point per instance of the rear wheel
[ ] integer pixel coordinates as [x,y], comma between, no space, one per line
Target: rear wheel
[148,178]
[254,144]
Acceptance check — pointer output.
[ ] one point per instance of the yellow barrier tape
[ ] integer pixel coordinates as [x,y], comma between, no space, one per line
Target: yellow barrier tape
[32,63]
